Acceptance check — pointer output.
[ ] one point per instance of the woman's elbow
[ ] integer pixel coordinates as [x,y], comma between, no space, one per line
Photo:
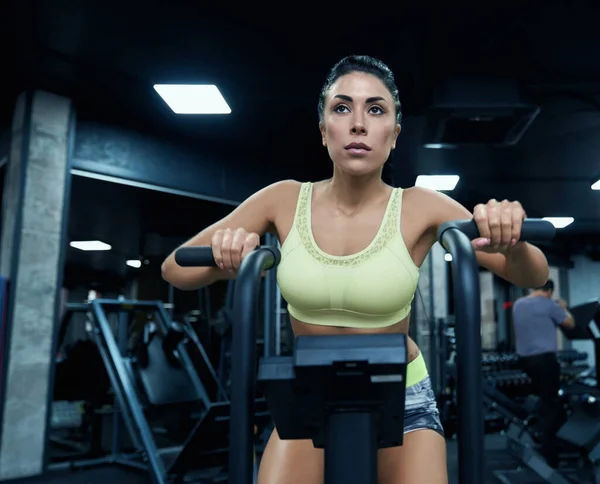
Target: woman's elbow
[186,278]
[542,277]
[165,271]
[169,273]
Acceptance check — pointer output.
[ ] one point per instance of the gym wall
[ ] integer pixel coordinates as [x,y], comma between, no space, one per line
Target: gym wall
[584,280]
[584,284]
[114,151]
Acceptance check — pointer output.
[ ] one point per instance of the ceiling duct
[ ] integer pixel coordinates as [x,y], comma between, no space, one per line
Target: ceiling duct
[477,113]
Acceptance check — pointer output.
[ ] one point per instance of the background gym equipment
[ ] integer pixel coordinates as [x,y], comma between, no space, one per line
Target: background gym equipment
[505,381]
[456,238]
[580,434]
[587,317]
[178,431]
[83,406]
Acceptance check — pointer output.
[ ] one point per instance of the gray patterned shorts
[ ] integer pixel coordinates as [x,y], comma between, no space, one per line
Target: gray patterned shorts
[420,408]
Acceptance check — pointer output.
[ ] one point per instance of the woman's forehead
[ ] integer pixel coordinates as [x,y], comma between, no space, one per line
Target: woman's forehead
[360,85]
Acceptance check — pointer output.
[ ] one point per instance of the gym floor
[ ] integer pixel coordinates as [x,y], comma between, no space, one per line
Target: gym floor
[495,458]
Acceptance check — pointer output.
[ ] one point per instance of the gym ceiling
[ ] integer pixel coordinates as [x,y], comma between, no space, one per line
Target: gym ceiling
[270,64]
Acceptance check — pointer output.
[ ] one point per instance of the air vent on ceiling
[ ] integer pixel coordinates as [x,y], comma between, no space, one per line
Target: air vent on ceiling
[477,112]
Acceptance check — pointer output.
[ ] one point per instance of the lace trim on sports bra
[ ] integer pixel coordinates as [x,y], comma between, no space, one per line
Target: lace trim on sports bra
[388,229]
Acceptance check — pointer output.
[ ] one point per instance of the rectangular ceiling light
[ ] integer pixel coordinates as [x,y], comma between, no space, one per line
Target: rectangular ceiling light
[134,263]
[441,183]
[560,222]
[193,98]
[596,186]
[90,245]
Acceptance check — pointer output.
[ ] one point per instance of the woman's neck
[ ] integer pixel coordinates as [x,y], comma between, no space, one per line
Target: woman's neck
[352,193]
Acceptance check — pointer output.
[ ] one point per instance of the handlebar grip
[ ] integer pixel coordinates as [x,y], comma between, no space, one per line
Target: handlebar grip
[197,256]
[537,230]
[532,230]
[202,256]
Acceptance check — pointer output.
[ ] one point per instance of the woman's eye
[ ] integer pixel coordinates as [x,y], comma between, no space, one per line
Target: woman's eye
[339,108]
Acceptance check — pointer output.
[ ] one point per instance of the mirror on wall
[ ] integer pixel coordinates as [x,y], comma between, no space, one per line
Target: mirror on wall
[117,237]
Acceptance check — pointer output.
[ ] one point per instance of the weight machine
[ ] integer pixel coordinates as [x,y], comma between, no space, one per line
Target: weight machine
[161,377]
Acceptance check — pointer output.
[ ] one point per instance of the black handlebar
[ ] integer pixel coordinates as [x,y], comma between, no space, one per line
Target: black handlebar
[533,230]
[455,237]
[202,256]
[195,256]
[243,347]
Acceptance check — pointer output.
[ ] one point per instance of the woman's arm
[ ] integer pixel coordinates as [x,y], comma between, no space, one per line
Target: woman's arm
[498,248]
[256,215]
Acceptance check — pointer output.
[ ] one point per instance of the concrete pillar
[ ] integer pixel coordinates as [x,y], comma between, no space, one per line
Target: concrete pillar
[488,316]
[555,275]
[440,281]
[36,196]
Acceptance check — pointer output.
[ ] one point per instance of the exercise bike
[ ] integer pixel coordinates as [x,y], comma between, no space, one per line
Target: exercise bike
[346,392]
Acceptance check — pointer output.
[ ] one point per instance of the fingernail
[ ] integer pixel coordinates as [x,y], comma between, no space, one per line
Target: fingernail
[513,242]
[483,242]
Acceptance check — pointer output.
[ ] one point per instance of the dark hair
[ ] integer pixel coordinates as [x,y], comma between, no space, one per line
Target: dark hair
[549,286]
[375,67]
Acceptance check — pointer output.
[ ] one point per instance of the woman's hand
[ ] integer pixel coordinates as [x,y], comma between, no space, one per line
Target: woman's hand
[230,246]
[499,225]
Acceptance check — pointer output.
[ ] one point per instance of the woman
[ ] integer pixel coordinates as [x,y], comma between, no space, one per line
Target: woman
[351,250]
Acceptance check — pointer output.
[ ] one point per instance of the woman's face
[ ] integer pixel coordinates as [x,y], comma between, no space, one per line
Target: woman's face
[359,127]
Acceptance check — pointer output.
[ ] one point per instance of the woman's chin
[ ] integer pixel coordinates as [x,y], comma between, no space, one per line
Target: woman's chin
[358,168]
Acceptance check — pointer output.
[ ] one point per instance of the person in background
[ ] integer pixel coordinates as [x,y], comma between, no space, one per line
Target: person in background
[536,318]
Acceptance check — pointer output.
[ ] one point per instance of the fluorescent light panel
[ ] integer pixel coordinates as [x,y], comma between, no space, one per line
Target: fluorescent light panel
[193,98]
[134,263]
[560,222]
[90,245]
[596,185]
[440,146]
[441,183]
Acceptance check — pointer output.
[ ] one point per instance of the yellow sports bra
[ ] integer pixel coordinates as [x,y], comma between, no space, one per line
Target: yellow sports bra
[373,288]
